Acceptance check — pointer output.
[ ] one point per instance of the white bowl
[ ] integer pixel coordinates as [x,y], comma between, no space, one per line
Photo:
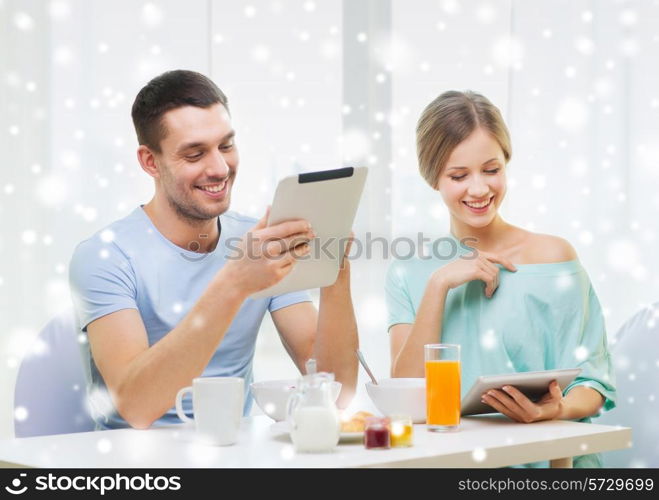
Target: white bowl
[400,396]
[272,395]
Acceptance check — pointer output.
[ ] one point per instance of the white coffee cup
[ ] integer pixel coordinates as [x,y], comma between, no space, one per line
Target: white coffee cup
[217,404]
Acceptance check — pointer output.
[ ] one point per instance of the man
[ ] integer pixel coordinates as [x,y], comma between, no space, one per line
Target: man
[160,298]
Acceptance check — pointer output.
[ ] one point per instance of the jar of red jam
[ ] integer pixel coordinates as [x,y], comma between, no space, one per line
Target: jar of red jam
[377,435]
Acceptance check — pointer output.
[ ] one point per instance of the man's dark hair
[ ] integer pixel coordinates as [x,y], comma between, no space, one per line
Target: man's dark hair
[168,91]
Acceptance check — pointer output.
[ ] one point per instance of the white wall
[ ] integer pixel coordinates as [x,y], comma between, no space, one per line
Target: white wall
[577,84]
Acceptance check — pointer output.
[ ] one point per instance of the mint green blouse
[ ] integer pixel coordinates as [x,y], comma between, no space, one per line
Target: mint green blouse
[544,316]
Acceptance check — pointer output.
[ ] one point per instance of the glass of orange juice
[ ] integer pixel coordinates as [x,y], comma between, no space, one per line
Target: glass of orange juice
[442,386]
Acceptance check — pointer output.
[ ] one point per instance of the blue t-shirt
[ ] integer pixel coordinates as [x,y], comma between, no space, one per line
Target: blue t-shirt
[131,265]
[542,317]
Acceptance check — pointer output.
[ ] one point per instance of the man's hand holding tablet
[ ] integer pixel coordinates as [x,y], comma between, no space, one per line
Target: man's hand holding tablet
[328,201]
[268,253]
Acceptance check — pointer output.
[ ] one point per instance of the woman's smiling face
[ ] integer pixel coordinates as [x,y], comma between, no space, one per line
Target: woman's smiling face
[473,182]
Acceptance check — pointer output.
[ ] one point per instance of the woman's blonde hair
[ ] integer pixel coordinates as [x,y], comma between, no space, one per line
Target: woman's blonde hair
[450,119]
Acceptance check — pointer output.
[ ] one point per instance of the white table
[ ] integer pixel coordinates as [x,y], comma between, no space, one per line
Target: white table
[486,441]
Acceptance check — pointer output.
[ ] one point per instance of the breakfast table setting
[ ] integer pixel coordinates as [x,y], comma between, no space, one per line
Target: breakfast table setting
[488,441]
[301,427]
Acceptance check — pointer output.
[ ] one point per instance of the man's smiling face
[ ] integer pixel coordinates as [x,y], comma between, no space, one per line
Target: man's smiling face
[198,161]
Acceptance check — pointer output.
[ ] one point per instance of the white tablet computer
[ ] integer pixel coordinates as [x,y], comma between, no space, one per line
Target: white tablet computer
[328,199]
[532,384]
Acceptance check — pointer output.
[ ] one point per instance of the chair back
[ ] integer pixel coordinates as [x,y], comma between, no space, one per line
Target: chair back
[50,394]
[636,359]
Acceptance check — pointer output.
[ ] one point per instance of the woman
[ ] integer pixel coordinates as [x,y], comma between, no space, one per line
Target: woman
[514,300]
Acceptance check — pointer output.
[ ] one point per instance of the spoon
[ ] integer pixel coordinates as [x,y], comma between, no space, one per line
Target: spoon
[363,363]
[310,366]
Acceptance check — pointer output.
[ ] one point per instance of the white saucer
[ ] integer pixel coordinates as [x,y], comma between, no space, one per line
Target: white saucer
[351,436]
[279,428]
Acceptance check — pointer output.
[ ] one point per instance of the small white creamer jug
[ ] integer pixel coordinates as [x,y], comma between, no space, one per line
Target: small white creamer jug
[312,415]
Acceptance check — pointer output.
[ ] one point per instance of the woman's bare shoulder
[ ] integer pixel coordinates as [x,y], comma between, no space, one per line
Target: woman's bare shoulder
[546,248]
